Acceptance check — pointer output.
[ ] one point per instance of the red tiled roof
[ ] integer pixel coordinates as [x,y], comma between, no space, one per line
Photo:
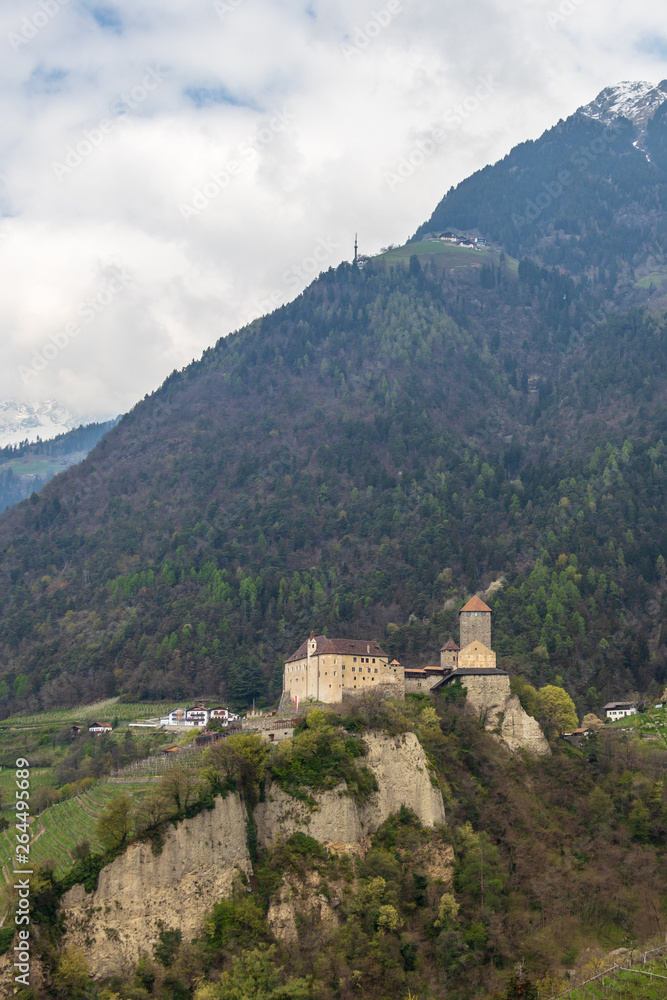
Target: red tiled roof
[475,605]
[451,645]
[349,647]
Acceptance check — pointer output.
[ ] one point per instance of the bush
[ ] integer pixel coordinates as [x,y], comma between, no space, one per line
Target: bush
[320,757]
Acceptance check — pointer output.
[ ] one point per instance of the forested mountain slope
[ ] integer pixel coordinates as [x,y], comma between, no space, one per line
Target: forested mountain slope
[356,462]
[25,468]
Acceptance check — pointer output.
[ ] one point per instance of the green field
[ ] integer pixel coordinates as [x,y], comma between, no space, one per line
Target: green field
[101,711]
[644,982]
[453,256]
[650,726]
[60,827]
[657,279]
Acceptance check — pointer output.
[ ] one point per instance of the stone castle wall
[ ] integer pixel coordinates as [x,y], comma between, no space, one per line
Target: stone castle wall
[476,656]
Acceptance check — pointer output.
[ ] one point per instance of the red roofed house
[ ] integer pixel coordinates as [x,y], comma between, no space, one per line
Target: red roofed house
[327,669]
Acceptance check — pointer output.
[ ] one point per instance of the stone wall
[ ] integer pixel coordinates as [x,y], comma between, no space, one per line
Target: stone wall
[476,656]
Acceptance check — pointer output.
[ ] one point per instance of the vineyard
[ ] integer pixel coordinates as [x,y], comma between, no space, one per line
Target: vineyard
[636,977]
[59,828]
[101,711]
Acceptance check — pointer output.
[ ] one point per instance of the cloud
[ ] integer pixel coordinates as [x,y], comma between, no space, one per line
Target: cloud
[117,117]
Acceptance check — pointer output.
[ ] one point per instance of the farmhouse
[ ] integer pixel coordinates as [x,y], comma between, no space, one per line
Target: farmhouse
[99,727]
[198,715]
[620,709]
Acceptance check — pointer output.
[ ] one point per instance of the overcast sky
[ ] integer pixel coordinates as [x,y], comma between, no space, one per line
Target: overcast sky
[169,168]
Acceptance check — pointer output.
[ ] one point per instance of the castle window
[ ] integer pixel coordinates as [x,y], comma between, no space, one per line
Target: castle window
[354,659]
[373,659]
[376,670]
[353,669]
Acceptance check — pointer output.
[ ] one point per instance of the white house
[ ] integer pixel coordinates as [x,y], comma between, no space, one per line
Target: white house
[99,727]
[176,718]
[197,714]
[620,709]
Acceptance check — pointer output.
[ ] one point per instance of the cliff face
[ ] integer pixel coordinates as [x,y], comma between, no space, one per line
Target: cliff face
[176,888]
[403,776]
[141,893]
[491,697]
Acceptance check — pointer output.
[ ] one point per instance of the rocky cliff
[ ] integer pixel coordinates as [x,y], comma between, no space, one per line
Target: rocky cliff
[491,698]
[403,776]
[142,893]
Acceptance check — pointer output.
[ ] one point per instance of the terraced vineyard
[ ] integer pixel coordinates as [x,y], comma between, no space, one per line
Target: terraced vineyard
[58,829]
[639,977]
[102,711]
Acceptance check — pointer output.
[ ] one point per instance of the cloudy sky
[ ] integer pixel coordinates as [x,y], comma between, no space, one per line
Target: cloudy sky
[170,168]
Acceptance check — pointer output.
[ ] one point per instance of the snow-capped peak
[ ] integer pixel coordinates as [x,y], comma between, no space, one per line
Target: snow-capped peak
[20,421]
[636,100]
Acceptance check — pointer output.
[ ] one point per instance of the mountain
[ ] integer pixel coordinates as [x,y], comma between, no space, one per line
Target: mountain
[442,422]
[636,101]
[20,421]
[25,468]
[588,196]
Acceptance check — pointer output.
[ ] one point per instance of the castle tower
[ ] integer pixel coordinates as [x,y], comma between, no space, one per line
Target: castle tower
[475,623]
[449,656]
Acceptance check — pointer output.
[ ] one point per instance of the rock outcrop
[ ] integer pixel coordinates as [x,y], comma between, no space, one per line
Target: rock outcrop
[142,893]
[490,697]
[403,776]
[520,730]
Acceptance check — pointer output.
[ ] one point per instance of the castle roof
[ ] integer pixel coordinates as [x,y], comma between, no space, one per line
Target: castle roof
[345,647]
[470,672]
[450,647]
[475,604]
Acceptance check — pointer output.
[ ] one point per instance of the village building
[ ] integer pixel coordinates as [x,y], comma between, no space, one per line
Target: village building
[328,670]
[198,715]
[619,709]
[99,727]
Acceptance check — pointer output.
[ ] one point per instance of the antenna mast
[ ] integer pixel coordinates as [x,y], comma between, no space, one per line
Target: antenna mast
[356,249]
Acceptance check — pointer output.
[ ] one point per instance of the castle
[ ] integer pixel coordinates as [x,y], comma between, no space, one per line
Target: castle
[330,670]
